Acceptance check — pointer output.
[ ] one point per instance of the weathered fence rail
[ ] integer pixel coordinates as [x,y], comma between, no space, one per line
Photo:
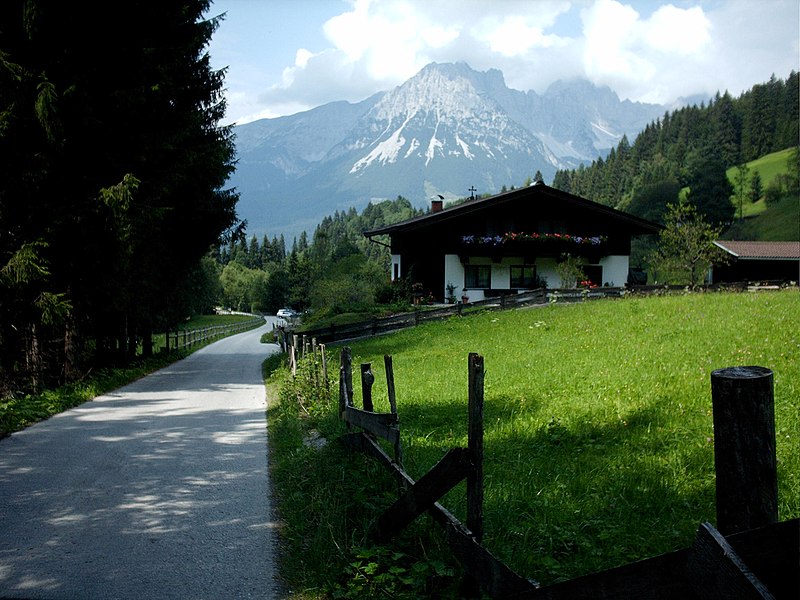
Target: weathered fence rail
[751,556]
[382,325]
[186,338]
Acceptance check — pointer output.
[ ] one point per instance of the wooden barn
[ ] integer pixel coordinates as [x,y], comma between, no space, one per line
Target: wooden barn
[758,261]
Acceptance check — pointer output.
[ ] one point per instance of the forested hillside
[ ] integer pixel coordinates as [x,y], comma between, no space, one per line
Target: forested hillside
[691,149]
[337,271]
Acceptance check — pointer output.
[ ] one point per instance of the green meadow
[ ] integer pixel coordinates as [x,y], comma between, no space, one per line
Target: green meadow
[761,222]
[598,418]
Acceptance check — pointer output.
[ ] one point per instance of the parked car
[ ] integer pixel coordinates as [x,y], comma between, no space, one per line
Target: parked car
[287,313]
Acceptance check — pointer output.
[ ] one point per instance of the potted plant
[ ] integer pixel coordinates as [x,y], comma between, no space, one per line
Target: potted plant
[451,293]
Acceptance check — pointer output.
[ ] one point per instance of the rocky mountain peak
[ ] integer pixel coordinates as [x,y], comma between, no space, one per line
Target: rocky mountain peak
[453,90]
[446,129]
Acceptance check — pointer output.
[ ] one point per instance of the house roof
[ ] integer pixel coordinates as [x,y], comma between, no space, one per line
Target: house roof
[537,192]
[761,250]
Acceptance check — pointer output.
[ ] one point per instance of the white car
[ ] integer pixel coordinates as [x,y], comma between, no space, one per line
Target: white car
[287,313]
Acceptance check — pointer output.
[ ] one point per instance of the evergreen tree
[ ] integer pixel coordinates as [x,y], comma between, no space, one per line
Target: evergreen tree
[742,177]
[756,187]
[709,188]
[727,129]
[118,149]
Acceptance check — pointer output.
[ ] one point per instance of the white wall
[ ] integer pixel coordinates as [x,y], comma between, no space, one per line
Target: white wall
[615,273]
[396,266]
[546,268]
[615,270]
[453,273]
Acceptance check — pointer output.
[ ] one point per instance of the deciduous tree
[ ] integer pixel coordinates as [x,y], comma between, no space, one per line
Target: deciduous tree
[686,249]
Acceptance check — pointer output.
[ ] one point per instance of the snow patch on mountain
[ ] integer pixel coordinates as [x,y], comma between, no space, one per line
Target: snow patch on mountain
[447,129]
[386,151]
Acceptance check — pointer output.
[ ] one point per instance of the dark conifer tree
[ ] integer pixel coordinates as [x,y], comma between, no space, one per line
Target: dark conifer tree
[710,191]
[111,156]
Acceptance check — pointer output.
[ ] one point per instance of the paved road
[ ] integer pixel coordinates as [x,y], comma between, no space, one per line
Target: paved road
[157,490]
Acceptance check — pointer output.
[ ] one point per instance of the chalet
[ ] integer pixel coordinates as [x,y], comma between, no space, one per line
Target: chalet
[758,261]
[511,242]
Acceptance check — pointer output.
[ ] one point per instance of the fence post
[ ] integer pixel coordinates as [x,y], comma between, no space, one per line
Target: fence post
[475,445]
[324,367]
[347,373]
[744,448]
[315,363]
[367,379]
[387,362]
[294,355]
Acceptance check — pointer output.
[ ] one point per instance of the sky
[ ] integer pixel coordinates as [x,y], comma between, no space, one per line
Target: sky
[287,56]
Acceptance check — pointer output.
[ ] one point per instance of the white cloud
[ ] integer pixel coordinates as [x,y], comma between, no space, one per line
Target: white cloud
[649,59]
[679,31]
[517,36]
[642,49]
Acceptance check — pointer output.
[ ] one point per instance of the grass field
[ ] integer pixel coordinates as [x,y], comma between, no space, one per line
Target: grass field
[761,222]
[598,423]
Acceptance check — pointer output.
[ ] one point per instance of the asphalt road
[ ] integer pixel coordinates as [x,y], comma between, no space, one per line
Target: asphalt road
[157,490]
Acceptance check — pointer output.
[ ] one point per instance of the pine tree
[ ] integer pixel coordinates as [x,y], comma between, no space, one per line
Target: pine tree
[756,187]
[709,188]
[77,122]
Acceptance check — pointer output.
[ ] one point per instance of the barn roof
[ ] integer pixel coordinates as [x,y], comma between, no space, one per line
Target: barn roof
[761,250]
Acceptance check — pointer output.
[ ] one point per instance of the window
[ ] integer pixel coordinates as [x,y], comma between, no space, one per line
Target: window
[593,273]
[523,276]
[477,276]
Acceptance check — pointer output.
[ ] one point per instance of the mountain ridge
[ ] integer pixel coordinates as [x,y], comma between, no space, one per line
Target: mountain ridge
[444,130]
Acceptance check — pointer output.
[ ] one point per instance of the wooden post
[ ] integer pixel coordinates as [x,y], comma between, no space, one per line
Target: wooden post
[744,448]
[315,363]
[294,355]
[325,381]
[475,445]
[367,379]
[387,363]
[347,365]
[342,394]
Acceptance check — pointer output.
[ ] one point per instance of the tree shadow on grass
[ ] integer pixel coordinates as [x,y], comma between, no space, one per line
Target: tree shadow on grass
[565,498]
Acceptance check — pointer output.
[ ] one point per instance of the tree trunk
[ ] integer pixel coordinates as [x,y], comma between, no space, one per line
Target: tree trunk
[71,366]
[147,343]
[33,358]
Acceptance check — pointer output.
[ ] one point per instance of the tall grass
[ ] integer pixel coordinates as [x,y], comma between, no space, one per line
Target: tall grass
[598,422]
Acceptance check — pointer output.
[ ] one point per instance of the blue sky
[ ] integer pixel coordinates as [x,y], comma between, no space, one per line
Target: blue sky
[286,56]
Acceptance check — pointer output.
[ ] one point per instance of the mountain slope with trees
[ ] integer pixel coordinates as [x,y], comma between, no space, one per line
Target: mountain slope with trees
[688,151]
[111,180]
[698,153]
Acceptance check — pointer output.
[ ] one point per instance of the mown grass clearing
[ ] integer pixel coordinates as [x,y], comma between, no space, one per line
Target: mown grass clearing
[598,418]
[598,426]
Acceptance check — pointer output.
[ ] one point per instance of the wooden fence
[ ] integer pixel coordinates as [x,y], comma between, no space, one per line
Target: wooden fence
[750,555]
[186,338]
[381,325]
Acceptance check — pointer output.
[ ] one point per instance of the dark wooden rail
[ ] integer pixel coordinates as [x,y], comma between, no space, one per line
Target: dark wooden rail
[756,558]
